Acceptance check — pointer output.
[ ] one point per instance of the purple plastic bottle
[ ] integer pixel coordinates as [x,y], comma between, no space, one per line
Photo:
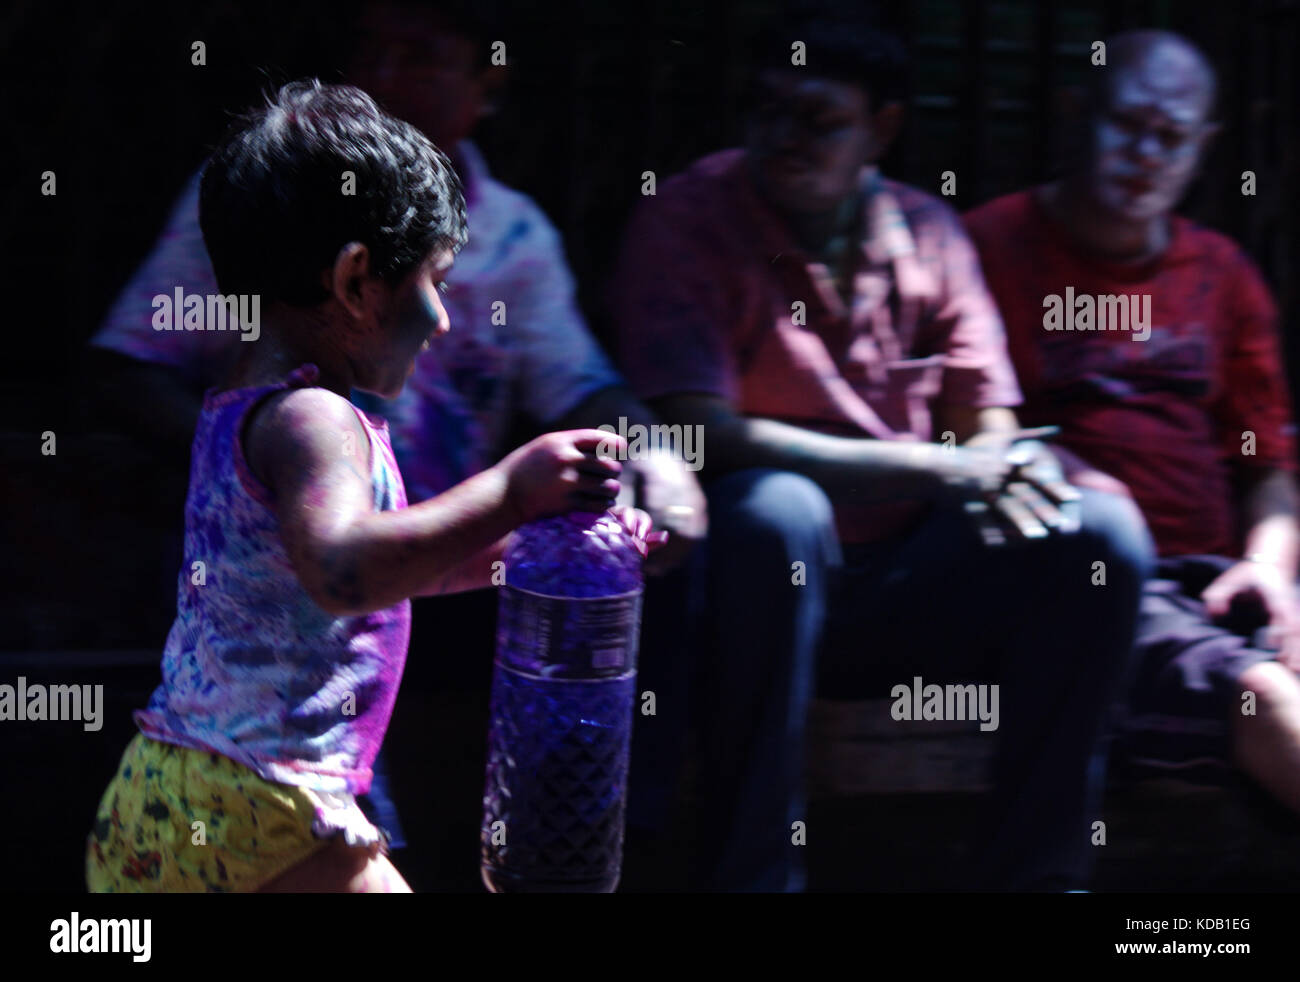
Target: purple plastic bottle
[563,694]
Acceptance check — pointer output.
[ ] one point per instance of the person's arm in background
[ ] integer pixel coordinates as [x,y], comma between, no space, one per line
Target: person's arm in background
[1268,571]
[976,427]
[562,366]
[1255,403]
[846,467]
[671,315]
[1269,511]
[866,470]
[152,381]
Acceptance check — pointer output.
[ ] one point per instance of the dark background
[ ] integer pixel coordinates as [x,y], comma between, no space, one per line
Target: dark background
[599,92]
[106,97]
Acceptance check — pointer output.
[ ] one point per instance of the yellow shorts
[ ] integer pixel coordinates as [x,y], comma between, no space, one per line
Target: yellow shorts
[176,820]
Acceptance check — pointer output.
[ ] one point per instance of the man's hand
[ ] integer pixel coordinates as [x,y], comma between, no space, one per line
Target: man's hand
[1011,486]
[1273,587]
[672,497]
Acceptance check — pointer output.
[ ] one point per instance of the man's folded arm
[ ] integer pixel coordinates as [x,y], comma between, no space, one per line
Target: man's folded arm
[846,467]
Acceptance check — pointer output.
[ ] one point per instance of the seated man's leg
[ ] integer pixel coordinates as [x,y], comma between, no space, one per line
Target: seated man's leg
[664,669]
[941,605]
[1069,660]
[760,623]
[1187,711]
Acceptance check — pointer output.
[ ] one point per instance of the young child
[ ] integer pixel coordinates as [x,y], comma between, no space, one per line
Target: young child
[293,610]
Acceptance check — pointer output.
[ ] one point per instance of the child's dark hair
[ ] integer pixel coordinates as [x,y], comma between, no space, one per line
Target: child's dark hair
[851,41]
[273,204]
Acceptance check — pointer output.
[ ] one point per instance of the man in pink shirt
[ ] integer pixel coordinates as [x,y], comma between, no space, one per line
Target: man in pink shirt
[831,333]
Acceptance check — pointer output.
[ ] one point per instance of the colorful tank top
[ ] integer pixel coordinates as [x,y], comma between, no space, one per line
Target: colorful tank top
[253,668]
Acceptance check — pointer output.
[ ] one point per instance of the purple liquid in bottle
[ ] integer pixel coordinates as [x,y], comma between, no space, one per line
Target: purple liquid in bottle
[563,694]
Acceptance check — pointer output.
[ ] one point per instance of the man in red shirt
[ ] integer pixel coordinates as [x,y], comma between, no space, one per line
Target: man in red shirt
[830,332]
[1154,344]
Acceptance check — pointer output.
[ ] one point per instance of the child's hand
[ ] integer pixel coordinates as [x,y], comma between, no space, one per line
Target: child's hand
[638,523]
[561,472]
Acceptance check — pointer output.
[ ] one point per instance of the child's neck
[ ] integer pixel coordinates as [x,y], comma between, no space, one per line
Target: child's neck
[288,343]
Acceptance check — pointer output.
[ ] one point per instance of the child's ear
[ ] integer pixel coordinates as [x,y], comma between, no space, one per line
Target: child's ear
[347,279]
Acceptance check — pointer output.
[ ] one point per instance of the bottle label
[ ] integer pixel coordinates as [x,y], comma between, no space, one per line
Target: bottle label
[568,637]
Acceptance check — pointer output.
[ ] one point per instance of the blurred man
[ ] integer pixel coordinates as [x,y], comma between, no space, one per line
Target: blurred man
[1178,398]
[824,325]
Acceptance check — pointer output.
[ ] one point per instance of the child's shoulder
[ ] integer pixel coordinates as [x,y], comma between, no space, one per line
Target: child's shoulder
[304,417]
[299,426]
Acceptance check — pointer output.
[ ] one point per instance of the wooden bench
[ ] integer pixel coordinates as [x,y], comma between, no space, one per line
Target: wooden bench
[904,781]
[857,748]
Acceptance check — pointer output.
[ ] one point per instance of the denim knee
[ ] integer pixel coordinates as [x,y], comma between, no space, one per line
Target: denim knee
[775,510]
[1114,532]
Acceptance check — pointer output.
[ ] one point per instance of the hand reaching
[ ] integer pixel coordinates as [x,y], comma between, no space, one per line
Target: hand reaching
[672,497]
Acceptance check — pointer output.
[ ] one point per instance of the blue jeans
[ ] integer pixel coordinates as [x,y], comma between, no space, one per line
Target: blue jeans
[377,804]
[933,602]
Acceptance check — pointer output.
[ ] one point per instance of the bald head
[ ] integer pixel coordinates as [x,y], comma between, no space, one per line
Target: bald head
[1162,61]
[1149,122]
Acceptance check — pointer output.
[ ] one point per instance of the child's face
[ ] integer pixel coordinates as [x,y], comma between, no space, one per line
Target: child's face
[407,322]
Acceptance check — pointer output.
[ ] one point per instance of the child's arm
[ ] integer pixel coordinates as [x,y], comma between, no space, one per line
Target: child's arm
[475,573]
[353,560]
